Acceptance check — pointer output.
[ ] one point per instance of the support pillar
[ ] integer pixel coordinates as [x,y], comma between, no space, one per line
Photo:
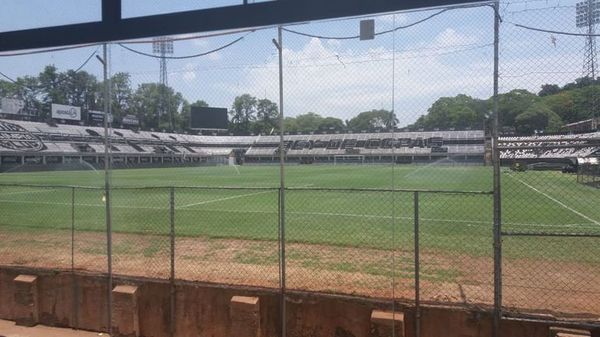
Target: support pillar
[26,309]
[387,324]
[125,317]
[244,313]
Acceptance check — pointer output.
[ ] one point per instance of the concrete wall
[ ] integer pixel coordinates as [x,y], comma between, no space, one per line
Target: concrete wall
[79,300]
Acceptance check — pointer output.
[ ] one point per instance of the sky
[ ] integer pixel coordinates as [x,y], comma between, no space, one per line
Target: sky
[448,54]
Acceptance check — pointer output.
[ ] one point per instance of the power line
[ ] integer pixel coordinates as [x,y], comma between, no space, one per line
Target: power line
[557,32]
[32,52]
[8,78]
[184,57]
[537,9]
[60,81]
[87,60]
[451,48]
[198,37]
[466,48]
[376,34]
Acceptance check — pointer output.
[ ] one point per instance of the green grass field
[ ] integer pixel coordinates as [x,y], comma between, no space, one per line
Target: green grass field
[330,228]
[532,201]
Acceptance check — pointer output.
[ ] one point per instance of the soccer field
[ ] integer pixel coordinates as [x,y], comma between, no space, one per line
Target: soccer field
[533,201]
[339,239]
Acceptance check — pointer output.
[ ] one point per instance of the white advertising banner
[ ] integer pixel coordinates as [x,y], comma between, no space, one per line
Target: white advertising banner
[69,112]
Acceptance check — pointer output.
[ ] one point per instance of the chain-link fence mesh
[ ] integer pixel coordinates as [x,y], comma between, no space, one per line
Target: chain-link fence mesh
[341,241]
[227,235]
[367,123]
[141,231]
[456,250]
[36,221]
[547,70]
[89,231]
[557,273]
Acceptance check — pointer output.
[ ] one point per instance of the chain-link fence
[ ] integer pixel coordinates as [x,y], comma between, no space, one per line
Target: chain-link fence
[227,235]
[351,241]
[554,271]
[349,165]
[550,222]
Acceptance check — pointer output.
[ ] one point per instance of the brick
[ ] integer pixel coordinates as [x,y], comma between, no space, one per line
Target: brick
[26,302]
[384,323]
[244,313]
[125,313]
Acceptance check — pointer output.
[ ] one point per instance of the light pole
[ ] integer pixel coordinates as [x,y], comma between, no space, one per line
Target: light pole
[104,61]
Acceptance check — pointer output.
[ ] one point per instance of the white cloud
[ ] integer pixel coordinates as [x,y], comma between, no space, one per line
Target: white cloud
[450,37]
[216,56]
[334,80]
[399,19]
[189,74]
[334,43]
[341,83]
[200,42]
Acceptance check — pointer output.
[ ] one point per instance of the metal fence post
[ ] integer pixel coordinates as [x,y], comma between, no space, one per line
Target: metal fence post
[497,196]
[282,271]
[282,277]
[172,278]
[74,284]
[72,229]
[417,268]
[107,192]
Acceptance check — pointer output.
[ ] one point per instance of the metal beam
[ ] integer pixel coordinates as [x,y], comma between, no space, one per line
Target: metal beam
[114,28]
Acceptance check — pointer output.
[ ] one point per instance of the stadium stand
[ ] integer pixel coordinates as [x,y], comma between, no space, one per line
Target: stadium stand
[41,144]
[557,148]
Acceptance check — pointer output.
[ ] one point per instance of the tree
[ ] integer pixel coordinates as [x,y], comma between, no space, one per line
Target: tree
[514,103]
[147,101]
[290,124]
[308,122]
[549,89]
[80,89]
[586,102]
[26,89]
[457,112]
[562,104]
[51,89]
[374,120]
[267,113]
[243,113]
[332,124]
[8,89]
[313,122]
[50,83]
[580,83]
[121,94]
[537,118]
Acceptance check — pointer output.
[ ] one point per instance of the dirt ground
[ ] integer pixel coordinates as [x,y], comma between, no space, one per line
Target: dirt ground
[9,329]
[528,284]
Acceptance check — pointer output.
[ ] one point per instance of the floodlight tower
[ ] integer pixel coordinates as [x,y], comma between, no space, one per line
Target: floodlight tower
[163,46]
[587,15]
